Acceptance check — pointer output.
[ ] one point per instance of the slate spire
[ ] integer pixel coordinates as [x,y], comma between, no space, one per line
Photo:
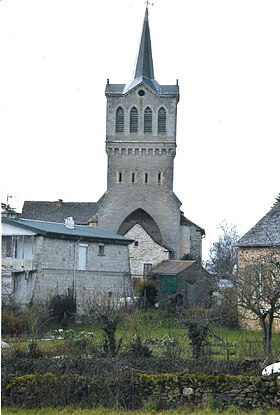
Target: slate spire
[144,64]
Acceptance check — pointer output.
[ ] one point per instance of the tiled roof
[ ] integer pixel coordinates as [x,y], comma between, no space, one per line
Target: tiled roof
[266,232]
[59,229]
[57,211]
[172,267]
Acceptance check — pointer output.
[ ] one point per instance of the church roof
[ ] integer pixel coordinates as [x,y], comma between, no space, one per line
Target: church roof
[144,69]
[144,64]
[266,232]
[57,211]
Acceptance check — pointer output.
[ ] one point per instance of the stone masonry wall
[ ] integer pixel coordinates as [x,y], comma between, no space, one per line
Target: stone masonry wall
[246,256]
[145,251]
[56,263]
[172,391]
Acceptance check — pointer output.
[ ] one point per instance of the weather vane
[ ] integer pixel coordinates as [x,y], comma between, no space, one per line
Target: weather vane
[148,3]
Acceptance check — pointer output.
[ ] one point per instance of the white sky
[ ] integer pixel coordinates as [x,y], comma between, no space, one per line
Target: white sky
[56,56]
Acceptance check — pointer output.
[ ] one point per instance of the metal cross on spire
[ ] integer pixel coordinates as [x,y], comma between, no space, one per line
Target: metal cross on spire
[148,3]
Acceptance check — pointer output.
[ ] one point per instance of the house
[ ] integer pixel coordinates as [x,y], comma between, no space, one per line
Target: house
[258,252]
[182,283]
[41,259]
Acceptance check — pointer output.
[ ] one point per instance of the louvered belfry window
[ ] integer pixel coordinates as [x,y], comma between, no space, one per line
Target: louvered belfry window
[133,120]
[119,120]
[148,120]
[161,120]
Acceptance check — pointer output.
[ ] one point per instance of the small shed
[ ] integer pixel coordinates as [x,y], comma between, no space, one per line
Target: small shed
[182,283]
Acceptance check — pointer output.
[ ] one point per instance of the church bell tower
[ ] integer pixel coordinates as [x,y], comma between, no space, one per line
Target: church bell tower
[141,145]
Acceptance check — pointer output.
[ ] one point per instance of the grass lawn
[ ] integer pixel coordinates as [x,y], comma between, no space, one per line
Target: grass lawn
[101,411]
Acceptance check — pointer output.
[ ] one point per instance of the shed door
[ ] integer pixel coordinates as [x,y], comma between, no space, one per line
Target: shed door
[168,284]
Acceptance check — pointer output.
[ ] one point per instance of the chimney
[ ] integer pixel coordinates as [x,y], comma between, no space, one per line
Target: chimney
[69,223]
[93,222]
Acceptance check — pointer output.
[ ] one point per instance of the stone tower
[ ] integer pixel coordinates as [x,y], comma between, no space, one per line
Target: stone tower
[141,146]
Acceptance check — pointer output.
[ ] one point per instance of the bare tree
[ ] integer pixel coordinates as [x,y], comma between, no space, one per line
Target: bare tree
[223,253]
[108,312]
[258,293]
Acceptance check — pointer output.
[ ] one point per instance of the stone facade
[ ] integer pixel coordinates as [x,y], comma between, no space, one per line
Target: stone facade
[141,146]
[144,251]
[250,256]
[89,266]
[259,249]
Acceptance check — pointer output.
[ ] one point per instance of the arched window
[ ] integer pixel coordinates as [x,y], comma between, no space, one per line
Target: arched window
[119,120]
[133,120]
[148,120]
[161,120]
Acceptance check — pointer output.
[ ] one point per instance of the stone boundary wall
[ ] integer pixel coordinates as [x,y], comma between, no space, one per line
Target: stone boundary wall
[131,392]
[171,391]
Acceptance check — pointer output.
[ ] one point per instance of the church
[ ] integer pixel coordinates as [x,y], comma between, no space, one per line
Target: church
[139,202]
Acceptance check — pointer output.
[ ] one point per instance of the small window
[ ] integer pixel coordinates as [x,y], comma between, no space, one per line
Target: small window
[133,120]
[136,243]
[133,178]
[159,178]
[161,120]
[148,120]
[119,120]
[119,176]
[101,250]
[147,268]
[146,178]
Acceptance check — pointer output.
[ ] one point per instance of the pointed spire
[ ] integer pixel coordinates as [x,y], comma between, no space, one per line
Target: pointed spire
[144,65]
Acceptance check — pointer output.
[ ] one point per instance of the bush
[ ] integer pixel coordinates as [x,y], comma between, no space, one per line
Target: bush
[13,322]
[80,342]
[63,307]
[149,293]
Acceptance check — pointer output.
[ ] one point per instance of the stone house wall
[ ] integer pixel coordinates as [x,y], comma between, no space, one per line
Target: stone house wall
[143,250]
[251,255]
[56,269]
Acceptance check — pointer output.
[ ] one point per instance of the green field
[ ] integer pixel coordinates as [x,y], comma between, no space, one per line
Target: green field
[184,411]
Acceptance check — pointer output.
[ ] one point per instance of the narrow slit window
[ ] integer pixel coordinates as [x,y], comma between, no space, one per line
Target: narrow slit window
[159,178]
[119,120]
[119,176]
[133,178]
[148,120]
[133,120]
[161,120]
[146,178]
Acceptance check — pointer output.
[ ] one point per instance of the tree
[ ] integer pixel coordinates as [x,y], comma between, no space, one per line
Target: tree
[107,312]
[223,254]
[258,292]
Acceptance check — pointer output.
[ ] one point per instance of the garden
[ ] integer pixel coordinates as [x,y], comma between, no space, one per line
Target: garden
[117,358]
